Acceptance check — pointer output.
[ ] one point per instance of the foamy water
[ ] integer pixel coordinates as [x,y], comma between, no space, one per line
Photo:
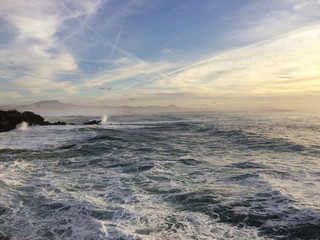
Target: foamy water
[104,119]
[218,176]
[22,126]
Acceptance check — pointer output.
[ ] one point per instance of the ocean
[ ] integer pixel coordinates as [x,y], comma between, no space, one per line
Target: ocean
[163,176]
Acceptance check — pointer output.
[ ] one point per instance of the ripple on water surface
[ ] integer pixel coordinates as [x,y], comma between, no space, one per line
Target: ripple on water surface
[162,177]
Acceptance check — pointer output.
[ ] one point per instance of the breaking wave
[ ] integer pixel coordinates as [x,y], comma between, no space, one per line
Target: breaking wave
[221,176]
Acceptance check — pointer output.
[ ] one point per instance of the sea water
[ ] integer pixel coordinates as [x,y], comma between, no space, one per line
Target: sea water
[178,176]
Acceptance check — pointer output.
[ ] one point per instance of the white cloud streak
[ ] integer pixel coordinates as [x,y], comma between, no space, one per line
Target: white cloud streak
[256,67]
[115,43]
[280,68]
[35,56]
[252,68]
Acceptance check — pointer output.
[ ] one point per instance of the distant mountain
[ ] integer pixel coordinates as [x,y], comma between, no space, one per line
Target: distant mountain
[57,108]
[51,104]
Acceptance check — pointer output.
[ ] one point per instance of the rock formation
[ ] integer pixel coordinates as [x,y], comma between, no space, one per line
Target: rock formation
[10,119]
[92,122]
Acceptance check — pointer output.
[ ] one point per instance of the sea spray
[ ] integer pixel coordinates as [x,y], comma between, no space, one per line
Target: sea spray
[22,126]
[104,119]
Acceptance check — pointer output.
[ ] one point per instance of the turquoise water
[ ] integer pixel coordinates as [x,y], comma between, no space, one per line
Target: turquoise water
[180,176]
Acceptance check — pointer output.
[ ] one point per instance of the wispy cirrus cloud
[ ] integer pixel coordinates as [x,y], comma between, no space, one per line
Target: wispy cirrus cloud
[279,68]
[256,66]
[34,57]
[259,65]
[265,19]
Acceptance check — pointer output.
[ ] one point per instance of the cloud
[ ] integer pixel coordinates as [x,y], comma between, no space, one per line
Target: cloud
[255,68]
[40,86]
[38,29]
[35,58]
[6,98]
[167,51]
[134,72]
[280,69]
[43,54]
[273,70]
[266,19]
[64,47]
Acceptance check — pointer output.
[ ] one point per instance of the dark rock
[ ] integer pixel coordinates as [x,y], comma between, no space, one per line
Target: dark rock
[92,122]
[9,120]
[59,123]
[46,123]
[32,118]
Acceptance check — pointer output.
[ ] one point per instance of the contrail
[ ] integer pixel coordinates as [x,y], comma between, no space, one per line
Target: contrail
[121,50]
[114,46]
[232,52]
[124,52]
[115,42]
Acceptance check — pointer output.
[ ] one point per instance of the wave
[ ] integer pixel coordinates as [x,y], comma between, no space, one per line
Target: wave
[164,178]
[22,126]
[255,140]
[104,119]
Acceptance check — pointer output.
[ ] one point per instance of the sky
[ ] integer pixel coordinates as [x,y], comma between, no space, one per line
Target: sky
[215,54]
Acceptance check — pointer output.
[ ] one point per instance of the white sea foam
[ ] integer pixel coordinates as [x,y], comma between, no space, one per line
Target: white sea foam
[180,185]
[42,137]
[23,126]
[104,119]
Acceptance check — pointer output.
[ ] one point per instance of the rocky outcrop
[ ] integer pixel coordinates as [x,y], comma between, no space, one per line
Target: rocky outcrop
[92,122]
[33,119]
[59,123]
[10,119]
